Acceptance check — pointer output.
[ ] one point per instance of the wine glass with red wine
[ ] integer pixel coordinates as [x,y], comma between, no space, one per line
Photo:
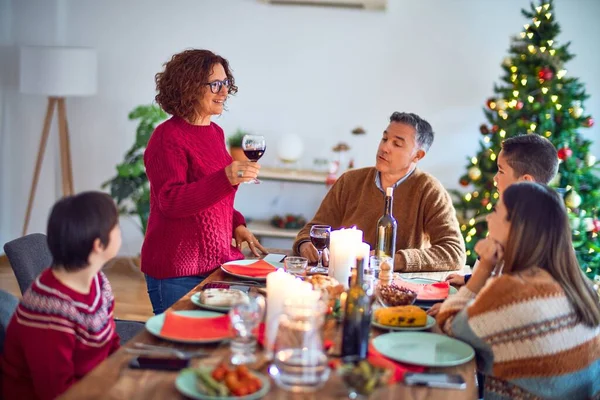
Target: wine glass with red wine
[319,237]
[254,147]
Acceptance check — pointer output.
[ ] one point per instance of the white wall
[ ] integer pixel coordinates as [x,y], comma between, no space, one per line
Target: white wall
[315,72]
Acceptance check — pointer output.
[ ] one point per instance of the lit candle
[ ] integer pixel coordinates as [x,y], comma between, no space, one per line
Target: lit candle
[343,245]
[281,286]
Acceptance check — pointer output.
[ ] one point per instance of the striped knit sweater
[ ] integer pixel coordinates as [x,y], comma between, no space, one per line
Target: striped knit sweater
[57,336]
[528,341]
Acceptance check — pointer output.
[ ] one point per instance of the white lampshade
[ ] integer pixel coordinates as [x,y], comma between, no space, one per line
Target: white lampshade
[58,71]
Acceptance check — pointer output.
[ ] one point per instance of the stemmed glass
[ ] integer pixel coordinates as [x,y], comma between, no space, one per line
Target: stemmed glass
[319,237]
[254,147]
[245,316]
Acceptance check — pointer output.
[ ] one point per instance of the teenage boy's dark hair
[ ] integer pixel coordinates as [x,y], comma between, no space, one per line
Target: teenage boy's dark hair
[75,223]
[531,154]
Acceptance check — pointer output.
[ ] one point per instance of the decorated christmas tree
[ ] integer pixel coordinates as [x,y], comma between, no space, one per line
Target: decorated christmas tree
[537,96]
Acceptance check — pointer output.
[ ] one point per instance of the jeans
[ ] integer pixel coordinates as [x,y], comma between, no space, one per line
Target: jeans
[165,292]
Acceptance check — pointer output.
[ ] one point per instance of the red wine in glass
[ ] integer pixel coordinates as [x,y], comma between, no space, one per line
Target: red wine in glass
[254,155]
[320,242]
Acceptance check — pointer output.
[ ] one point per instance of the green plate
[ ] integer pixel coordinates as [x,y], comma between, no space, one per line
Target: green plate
[186,384]
[155,324]
[430,322]
[248,262]
[428,281]
[423,348]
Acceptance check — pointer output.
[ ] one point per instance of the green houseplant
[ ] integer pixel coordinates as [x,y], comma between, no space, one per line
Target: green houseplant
[129,187]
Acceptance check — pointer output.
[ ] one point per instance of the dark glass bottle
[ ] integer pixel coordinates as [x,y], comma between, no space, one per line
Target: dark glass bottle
[386,228]
[357,317]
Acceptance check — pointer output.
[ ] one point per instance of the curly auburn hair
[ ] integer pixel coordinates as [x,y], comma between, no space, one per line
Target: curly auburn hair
[184,79]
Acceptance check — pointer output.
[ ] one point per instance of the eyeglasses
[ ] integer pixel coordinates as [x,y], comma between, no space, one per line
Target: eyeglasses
[216,86]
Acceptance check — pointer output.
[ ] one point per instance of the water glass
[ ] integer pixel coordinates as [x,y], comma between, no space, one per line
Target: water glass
[245,316]
[300,364]
[295,265]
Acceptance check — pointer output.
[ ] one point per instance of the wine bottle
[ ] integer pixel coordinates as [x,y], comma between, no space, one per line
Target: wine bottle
[386,228]
[357,316]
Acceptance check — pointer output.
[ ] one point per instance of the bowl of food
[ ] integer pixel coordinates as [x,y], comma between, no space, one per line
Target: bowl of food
[393,295]
[362,378]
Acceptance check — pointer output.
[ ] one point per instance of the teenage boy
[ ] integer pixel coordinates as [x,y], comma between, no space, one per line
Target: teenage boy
[64,326]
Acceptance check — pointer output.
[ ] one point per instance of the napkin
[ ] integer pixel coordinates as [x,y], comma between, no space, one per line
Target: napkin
[399,369]
[258,269]
[177,326]
[426,291]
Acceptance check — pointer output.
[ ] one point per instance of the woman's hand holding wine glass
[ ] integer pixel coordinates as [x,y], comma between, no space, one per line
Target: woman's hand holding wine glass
[242,172]
[254,147]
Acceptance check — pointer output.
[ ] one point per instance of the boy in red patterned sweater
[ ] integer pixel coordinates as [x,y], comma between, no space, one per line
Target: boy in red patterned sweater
[64,326]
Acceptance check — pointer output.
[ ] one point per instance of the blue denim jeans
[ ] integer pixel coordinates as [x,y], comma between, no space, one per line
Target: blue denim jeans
[165,292]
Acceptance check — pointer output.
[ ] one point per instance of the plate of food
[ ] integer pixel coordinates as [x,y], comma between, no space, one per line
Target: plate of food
[402,318]
[190,326]
[222,383]
[219,300]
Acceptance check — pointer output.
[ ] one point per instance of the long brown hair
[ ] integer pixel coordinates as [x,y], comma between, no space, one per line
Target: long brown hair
[540,236]
[184,79]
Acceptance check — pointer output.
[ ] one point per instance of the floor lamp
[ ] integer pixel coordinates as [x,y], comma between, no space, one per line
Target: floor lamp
[58,73]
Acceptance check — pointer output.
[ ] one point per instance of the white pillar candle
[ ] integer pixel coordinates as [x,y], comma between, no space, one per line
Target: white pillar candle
[364,250]
[343,245]
[280,287]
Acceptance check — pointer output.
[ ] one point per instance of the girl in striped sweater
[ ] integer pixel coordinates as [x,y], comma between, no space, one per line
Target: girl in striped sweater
[63,326]
[536,328]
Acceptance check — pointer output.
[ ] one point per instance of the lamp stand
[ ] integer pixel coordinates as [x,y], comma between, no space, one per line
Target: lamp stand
[65,153]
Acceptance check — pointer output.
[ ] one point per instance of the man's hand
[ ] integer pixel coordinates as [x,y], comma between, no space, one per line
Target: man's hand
[308,251]
[455,280]
[242,234]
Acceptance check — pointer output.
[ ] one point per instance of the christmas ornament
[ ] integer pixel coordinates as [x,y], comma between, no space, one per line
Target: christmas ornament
[590,159]
[589,224]
[519,105]
[474,173]
[501,104]
[507,62]
[573,199]
[564,153]
[577,109]
[464,182]
[491,103]
[596,226]
[589,122]
[485,202]
[495,128]
[545,74]
[484,129]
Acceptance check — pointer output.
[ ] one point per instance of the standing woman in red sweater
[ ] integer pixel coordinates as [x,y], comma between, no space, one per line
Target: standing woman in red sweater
[193,181]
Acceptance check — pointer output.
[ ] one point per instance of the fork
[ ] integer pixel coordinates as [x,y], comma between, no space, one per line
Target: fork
[148,349]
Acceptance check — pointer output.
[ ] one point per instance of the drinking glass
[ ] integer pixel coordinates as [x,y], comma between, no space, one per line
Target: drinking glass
[245,316]
[319,237]
[254,147]
[295,265]
[300,364]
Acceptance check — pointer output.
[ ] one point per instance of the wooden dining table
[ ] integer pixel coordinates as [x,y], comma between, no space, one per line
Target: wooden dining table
[113,379]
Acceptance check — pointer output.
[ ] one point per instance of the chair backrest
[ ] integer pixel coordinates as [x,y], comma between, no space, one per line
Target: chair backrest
[28,257]
[8,305]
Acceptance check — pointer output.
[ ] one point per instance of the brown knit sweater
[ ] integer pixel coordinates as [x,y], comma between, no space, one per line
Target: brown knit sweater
[428,237]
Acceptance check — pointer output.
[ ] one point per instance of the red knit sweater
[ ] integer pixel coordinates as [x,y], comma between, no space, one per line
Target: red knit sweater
[56,336]
[192,218]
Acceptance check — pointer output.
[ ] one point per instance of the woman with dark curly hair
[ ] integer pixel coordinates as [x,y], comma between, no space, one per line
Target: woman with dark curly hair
[193,180]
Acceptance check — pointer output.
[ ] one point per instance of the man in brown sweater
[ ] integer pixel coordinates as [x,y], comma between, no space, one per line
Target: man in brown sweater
[428,237]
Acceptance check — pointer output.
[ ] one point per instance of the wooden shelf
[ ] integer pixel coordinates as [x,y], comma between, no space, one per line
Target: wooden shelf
[265,229]
[291,175]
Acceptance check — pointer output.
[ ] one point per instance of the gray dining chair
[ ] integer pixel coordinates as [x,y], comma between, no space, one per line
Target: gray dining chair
[29,256]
